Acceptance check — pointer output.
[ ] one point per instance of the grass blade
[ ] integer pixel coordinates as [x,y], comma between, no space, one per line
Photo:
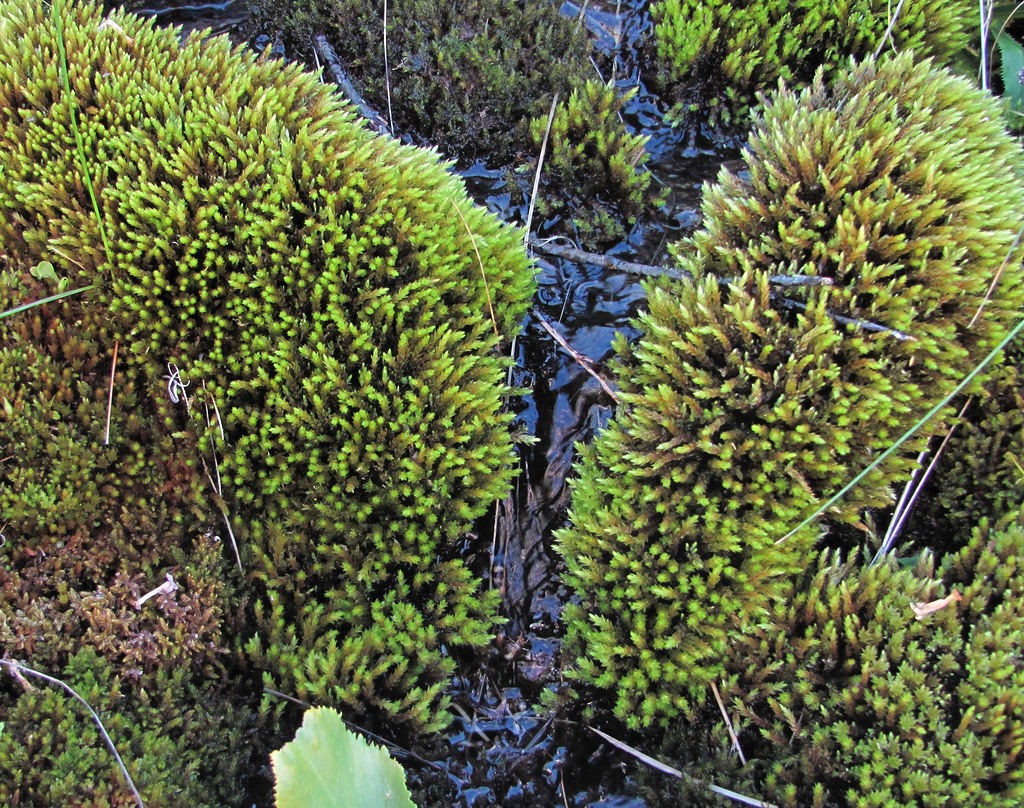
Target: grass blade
[909,433]
[50,299]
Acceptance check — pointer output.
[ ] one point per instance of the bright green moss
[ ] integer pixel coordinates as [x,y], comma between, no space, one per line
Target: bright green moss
[715,56]
[844,696]
[317,289]
[739,414]
[593,169]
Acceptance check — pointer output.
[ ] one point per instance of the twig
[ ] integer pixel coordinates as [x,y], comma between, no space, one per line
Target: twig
[986,24]
[539,733]
[17,666]
[540,167]
[616,264]
[585,363]
[995,280]
[224,515]
[655,271]
[866,325]
[935,410]
[110,395]
[606,261]
[728,724]
[326,52]
[664,768]
[913,490]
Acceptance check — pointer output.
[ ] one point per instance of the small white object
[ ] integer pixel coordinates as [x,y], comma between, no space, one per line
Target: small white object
[166,588]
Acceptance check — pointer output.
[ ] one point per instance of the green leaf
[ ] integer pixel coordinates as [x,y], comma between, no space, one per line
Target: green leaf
[1012,57]
[328,766]
[44,271]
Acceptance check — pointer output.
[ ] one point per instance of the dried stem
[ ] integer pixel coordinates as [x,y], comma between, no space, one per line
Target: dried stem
[616,264]
[664,768]
[540,167]
[585,363]
[483,272]
[728,724]
[110,395]
[387,71]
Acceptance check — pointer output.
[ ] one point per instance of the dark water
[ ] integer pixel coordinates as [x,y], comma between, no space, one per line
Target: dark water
[504,748]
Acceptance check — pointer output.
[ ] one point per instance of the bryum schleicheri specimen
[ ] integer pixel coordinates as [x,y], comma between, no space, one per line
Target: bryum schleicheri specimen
[740,412]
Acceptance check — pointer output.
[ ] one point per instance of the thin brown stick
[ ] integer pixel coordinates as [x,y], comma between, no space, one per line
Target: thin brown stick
[616,264]
[585,363]
[18,667]
[110,395]
[540,167]
[728,724]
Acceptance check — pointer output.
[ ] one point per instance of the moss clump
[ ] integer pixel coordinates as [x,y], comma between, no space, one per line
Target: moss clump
[715,57]
[466,76]
[305,348]
[740,414]
[842,696]
[185,751]
[594,168]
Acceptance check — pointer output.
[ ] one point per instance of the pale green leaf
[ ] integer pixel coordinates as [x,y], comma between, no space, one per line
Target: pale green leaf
[329,766]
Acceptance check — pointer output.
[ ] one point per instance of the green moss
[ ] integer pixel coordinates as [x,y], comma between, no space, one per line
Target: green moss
[714,57]
[317,289]
[981,471]
[466,76]
[739,414]
[185,751]
[856,694]
[593,169]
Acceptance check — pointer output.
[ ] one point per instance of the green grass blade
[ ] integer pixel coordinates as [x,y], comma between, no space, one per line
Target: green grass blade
[50,299]
[59,26]
[1017,329]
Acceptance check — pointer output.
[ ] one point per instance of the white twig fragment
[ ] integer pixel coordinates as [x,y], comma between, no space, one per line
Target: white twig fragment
[664,768]
[166,588]
[109,23]
[110,395]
